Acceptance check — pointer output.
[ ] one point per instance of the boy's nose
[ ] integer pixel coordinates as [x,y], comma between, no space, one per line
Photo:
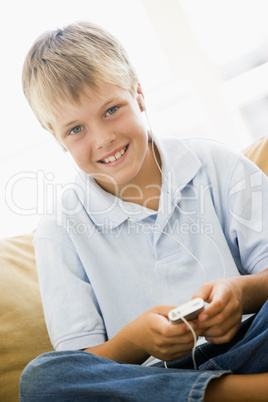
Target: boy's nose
[103,138]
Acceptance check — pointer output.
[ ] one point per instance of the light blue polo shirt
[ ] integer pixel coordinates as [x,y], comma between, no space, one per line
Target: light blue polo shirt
[102,262]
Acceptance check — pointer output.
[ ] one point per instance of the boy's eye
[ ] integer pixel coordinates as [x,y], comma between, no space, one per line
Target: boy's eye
[112,110]
[76,130]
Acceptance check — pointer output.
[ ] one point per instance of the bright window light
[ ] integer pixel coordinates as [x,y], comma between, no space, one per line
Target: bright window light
[227,29]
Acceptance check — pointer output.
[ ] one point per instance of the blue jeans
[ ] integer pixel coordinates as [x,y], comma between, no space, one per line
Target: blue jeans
[72,376]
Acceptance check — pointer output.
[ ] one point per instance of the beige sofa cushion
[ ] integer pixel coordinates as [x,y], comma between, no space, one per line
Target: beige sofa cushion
[258,153]
[23,334]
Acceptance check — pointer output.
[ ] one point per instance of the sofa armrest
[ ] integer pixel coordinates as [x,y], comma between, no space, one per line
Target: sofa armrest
[258,153]
[23,334]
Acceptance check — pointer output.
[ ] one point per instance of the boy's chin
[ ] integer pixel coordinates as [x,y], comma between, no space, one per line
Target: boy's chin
[104,178]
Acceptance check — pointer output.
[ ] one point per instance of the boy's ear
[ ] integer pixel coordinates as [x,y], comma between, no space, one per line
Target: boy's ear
[141,103]
[140,98]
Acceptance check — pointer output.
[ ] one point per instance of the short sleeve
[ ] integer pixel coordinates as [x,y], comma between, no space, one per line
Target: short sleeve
[71,311]
[247,216]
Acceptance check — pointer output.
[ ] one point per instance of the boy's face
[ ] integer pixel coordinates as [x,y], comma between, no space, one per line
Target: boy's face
[105,135]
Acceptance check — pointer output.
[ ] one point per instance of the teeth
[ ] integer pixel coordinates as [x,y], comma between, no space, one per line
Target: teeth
[116,156]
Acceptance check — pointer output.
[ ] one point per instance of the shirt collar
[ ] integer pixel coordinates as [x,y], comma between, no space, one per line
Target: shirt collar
[179,166]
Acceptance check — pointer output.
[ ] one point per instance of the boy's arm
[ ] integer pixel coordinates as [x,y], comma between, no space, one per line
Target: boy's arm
[254,291]
[119,349]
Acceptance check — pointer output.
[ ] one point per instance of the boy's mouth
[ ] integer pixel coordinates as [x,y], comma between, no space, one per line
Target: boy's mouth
[115,157]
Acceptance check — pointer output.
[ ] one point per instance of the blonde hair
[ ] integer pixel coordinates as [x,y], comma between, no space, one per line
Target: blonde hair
[61,62]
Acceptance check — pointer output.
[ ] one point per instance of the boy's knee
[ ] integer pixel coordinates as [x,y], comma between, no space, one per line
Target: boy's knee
[31,377]
[45,375]
[35,374]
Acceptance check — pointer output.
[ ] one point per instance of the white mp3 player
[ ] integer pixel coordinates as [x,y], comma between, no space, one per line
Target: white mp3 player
[189,311]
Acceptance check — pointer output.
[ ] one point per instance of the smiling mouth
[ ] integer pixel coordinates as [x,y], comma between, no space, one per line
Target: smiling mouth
[114,157]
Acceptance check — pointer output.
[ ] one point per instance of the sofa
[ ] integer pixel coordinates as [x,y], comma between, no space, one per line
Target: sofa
[23,334]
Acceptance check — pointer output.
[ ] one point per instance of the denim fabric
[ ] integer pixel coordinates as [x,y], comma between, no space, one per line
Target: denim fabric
[80,376]
[249,355]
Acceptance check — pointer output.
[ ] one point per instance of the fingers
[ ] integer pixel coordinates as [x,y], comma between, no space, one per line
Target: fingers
[221,320]
[174,352]
[162,309]
[170,346]
[161,325]
[167,341]
[166,333]
[223,332]
[204,292]
[219,311]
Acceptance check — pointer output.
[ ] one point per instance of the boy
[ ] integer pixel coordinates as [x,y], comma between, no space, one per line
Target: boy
[148,225]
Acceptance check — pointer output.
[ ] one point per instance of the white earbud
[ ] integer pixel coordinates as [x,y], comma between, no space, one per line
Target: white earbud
[141,102]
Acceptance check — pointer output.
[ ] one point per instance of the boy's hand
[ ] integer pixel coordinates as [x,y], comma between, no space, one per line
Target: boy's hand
[220,321]
[155,335]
